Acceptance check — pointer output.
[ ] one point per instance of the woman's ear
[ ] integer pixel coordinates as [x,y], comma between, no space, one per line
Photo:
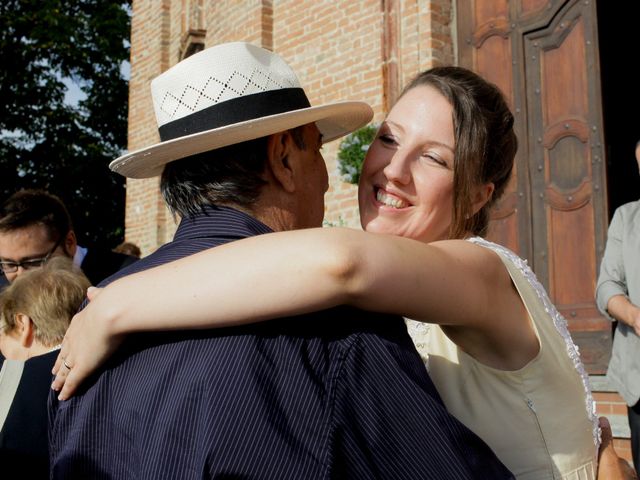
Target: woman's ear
[482,195]
[279,148]
[25,330]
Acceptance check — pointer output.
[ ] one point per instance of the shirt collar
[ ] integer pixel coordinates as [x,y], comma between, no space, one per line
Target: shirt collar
[217,221]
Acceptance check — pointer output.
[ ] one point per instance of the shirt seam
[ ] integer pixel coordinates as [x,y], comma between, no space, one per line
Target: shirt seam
[332,401]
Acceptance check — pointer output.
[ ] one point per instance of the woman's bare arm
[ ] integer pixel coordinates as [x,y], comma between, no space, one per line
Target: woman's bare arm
[454,283]
[297,272]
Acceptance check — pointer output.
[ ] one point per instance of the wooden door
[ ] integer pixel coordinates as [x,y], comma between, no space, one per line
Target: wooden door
[544,56]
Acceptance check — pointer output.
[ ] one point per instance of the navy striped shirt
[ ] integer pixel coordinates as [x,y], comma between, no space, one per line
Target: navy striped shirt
[337,394]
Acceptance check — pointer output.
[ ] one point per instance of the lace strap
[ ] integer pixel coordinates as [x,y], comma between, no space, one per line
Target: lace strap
[558,320]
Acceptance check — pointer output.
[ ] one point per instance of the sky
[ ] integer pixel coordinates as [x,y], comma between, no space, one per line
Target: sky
[74,94]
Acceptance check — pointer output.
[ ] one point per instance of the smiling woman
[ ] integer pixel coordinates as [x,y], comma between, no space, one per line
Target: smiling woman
[406,186]
[441,158]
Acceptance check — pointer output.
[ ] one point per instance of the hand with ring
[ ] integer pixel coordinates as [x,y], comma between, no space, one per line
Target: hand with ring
[87,343]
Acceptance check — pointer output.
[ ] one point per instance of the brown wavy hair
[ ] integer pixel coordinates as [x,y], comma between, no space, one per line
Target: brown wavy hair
[485,143]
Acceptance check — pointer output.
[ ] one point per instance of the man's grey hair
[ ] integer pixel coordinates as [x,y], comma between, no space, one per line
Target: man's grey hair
[232,175]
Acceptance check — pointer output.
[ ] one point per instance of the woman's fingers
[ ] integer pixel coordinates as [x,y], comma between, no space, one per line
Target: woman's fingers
[70,381]
[67,342]
[57,364]
[69,373]
[65,361]
[87,345]
[61,370]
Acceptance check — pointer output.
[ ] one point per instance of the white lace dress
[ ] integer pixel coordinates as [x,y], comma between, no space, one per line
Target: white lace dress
[539,420]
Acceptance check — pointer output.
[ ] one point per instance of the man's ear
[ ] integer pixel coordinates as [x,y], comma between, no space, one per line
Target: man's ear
[70,244]
[25,330]
[279,147]
[482,196]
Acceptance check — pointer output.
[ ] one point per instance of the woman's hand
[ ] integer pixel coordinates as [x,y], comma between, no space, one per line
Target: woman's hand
[87,343]
[610,465]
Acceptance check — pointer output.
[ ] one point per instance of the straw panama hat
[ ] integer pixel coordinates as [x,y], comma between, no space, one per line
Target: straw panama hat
[227,94]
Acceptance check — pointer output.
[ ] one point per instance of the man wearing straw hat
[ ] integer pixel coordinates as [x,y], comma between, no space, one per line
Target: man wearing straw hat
[319,398]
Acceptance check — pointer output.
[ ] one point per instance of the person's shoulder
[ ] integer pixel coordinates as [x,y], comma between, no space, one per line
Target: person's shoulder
[114,258]
[629,208]
[348,318]
[123,258]
[359,334]
[479,256]
[627,214]
[100,263]
[44,361]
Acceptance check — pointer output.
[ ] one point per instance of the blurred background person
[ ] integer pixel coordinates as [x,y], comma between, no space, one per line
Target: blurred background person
[35,311]
[35,226]
[618,298]
[128,248]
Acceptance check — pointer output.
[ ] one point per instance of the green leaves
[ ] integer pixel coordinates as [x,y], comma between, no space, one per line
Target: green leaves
[47,141]
[352,151]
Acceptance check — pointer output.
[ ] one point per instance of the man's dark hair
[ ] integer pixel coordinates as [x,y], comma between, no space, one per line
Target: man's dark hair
[35,207]
[230,175]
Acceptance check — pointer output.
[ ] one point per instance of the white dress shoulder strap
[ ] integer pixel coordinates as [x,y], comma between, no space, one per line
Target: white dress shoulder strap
[558,320]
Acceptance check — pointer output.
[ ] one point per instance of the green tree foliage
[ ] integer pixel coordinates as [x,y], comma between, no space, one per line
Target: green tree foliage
[49,142]
[352,151]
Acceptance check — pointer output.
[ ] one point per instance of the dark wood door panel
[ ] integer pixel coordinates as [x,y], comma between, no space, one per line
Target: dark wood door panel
[486,30]
[543,55]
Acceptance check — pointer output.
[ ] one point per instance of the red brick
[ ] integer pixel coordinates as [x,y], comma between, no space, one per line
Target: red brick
[334,47]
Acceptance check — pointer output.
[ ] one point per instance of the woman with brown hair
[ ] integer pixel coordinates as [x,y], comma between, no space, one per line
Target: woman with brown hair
[496,348]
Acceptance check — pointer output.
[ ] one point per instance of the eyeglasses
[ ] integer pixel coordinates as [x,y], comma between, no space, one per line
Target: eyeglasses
[12,267]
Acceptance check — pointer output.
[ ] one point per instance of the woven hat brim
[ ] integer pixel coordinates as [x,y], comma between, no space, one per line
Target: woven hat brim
[333,121]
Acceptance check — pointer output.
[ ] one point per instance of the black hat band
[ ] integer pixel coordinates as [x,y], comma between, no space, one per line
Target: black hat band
[236,110]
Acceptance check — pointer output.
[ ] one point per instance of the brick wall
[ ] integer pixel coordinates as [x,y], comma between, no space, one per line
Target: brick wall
[233,20]
[149,58]
[335,47]
[335,59]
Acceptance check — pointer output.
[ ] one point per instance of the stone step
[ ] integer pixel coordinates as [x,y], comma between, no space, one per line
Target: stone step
[619,426]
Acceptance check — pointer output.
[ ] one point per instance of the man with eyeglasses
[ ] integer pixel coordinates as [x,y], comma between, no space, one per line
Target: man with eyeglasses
[35,226]
[12,268]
